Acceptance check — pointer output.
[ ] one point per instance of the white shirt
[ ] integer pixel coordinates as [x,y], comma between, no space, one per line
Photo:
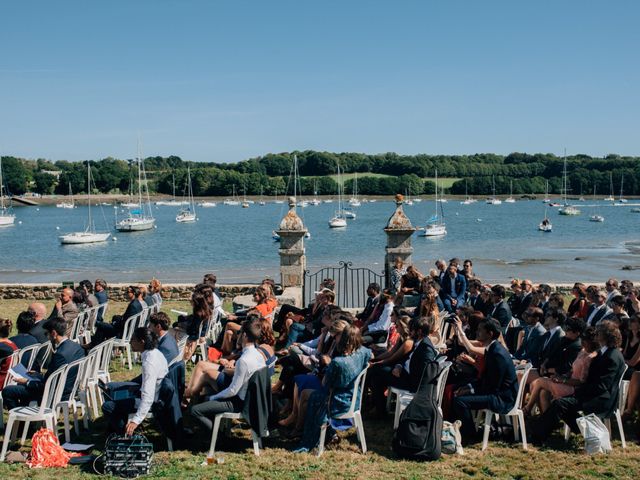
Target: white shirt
[249,362]
[384,322]
[217,307]
[603,350]
[154,369]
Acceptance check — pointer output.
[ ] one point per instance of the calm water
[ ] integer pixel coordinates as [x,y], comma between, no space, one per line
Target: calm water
[236,243]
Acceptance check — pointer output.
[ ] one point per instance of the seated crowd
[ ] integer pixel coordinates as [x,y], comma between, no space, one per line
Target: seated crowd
[309,358]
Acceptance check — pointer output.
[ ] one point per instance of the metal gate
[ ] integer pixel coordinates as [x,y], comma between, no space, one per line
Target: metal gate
[351,283]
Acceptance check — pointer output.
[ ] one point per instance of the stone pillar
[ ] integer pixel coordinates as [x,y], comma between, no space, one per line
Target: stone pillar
[293,262]
[399,231]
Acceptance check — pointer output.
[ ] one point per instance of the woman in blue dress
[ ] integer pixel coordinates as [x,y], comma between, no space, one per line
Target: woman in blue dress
[335,395]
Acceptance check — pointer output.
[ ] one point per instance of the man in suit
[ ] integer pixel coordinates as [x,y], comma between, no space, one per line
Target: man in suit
[474,300]
[406,375]
[100,289]
[39,311]
[453,289]
[598,309]
[501,311]
[65,308]
[106,330]
[544,292]
[559,359]
[159,323]
[533,332]
[496,389]
[552,338]
[441,266]
[373,297]
[526,296]
[65,352]
[612,291]
[599,393]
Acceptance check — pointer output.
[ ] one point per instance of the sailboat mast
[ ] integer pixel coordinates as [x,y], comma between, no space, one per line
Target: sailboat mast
[1,187]
[89,193]
[295,177]
[139,177]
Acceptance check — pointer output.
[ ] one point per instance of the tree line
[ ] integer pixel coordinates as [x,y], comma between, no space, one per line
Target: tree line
[270,174]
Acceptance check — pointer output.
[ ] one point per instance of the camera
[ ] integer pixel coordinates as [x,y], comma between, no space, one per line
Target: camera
[451,319]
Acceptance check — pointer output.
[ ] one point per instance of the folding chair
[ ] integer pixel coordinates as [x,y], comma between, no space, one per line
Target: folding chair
[127,333]
[8,380]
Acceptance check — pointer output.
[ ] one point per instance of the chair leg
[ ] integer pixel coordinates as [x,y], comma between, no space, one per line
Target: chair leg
[128,348]
[256,443]
[396,416]
[621,429]
[323,435]
[25,432]
[523,429]
[487,428]
[7,437]
[515,421]
[169,444]
[360,428]
[567,432]
[67,427]
[1,412]
[214,435]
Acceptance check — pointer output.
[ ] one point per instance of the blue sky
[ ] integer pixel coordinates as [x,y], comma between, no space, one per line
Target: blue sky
[228,80]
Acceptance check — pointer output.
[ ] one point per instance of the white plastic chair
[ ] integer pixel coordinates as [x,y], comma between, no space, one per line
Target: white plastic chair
[101,310]
[127,333]
[71,404]
[516,411]
[31,350]
[404,397]
[354,412]
[623,392]
[100,371]
[42,355]
[214,329]
[8,380]
[46,412]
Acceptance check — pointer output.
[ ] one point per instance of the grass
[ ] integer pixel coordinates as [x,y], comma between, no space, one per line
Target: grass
[500,460]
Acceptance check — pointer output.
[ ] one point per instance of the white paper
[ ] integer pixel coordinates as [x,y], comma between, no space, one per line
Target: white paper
[20,372]
[179,312]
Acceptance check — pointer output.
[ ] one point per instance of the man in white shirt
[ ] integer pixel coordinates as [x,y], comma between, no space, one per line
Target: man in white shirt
[231,399]
[612,290]
[599,309]
[154,369]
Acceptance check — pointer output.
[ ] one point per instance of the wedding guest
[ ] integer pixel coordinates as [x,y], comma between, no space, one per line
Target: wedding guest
[578,306]
[7,347]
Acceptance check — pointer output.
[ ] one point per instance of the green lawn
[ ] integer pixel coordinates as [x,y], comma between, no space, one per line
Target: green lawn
[501,460]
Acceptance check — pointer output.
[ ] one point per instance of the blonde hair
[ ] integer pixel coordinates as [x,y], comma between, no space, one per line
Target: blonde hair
[155,285]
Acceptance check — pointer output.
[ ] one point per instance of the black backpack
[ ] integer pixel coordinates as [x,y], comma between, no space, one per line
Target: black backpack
[419,432]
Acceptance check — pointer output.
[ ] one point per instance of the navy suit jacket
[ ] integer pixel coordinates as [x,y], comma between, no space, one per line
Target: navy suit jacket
[67,352]
[502,313]
[531,344]
[499,379]
[598,316]
[168,347]
[460,285]
[599,394]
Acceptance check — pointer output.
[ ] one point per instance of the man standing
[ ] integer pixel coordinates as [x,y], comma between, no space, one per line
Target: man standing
[453,289]
[496,389]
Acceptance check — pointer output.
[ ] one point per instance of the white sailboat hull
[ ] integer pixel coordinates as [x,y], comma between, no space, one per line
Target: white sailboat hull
[569,210]
[129,205]
[510,200]
[354,203]
[207,204]
[133,224]
[494,201]
[434,230]
[596,218]
[186,217]
[338,222]
[348,214]
[64,205]
[7,220]
[77,238]
[545,228]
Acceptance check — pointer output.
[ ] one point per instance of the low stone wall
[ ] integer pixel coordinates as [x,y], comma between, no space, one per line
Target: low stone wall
[117,292]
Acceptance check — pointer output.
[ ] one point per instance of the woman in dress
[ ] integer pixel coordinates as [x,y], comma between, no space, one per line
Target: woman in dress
[546,389]
[578,306]
[395,278]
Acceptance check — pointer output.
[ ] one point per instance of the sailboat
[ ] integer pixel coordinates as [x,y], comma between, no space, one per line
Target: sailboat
[595,217]
[233,200]
[493,200]
[441,199]
[294,173]
[610,198]
[245,204]
[7,218]
[262,203]
[510,198]
[67,204]
[545,224]
[89,235]
[621,199]
[173,202]
[339,220]
[314,201]
[546,198]
[353,201]
[141,218]
[467,200]
[407,197]
[276,200]
[435,226]
[130,203]
[188,215]
[566,209]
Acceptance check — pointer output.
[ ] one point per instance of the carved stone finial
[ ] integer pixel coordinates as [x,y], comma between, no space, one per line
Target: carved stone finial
[291,221]
[292,202]
[399,221]
[399,199]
